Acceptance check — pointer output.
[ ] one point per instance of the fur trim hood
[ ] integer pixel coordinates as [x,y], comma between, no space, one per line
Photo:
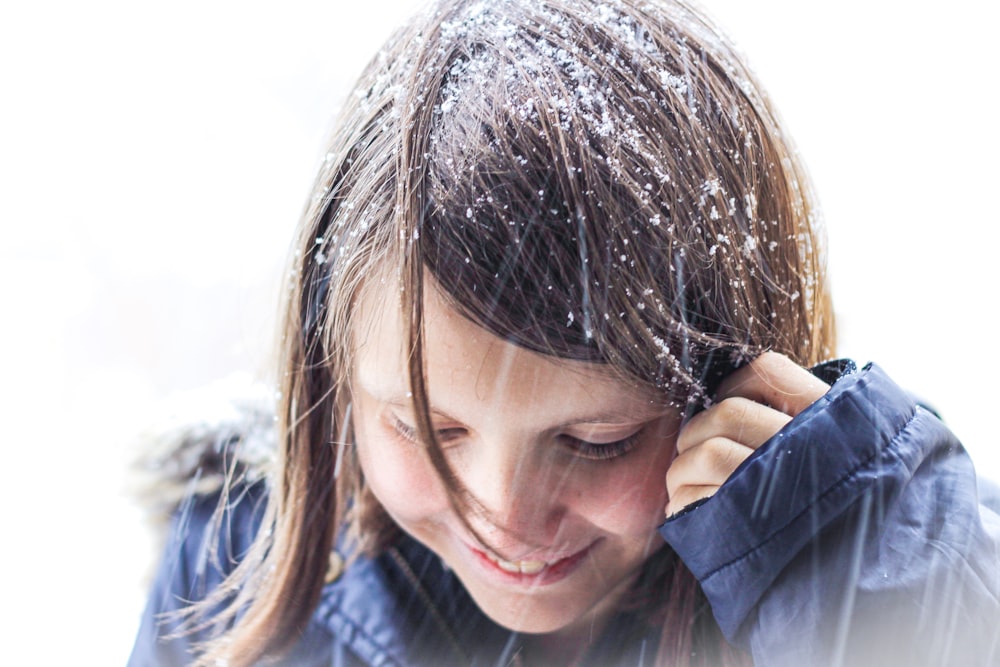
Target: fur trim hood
[197,437]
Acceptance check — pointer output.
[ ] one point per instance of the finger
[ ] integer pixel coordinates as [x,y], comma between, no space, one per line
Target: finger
[710,463]
[739,419]
[775,380]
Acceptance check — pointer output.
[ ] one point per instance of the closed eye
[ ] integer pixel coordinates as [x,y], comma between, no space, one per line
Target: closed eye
[409,433]
[600,451]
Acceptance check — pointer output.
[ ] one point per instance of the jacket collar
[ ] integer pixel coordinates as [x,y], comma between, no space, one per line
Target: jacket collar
[405,607]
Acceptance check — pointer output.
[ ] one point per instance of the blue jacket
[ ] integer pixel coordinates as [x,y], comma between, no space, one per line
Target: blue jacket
[857,535]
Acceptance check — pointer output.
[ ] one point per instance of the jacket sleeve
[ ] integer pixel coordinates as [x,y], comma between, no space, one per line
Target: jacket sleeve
[855,536]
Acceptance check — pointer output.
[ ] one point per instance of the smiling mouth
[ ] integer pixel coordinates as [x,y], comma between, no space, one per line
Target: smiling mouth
[530,571]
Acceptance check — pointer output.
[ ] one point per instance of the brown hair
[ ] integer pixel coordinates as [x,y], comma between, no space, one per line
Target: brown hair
[599,181]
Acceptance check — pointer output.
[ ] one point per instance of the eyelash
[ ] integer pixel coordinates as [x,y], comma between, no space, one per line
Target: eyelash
[409,433]
[604,451]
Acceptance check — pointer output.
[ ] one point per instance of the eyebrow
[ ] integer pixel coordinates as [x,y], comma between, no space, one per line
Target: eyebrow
[406,400]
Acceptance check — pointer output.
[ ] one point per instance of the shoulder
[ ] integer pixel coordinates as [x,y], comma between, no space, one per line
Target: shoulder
[400,607]
[209,534]
[201,476]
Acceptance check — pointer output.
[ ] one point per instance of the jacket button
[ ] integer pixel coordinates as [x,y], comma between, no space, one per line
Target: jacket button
[335,568]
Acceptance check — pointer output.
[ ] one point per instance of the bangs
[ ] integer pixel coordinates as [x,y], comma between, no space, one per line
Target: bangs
[568,216]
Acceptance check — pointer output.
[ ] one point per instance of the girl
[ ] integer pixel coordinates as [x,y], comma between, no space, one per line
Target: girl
[544,392]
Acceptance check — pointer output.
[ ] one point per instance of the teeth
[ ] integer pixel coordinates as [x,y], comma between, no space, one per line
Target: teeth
[519,566]
[532,566]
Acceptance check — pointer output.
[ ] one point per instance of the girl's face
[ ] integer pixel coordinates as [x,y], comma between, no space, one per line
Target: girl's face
[567,463]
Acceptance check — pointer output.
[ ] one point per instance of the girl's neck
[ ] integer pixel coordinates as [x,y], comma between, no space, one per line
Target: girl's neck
[566,647]
[554,650]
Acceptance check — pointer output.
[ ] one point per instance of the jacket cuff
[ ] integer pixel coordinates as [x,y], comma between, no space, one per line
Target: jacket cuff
[738,541]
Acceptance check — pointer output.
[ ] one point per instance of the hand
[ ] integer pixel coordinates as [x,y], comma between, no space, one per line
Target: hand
[752,404]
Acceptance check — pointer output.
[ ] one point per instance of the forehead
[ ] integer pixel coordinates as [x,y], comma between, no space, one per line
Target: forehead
[469,370]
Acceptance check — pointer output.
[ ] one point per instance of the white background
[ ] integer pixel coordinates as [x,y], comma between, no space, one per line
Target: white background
[154,159]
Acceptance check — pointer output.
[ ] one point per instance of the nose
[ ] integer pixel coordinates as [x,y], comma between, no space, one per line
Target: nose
[520,494]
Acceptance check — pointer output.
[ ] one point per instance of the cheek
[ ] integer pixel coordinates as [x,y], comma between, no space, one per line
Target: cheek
[400,476]
[629,498]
